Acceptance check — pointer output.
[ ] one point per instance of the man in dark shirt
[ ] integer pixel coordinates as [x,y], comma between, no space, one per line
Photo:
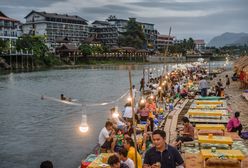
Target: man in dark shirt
[162,155]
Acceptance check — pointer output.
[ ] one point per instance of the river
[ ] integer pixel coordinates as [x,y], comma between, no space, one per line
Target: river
[33,130]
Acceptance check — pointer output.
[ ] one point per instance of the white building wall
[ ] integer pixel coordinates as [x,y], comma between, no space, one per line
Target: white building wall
[35,17]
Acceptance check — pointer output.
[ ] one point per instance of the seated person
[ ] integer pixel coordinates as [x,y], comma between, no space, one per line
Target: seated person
[107,138]
[129,129]
[187,134]
[119,139]
[115,162]
[184,92]
[124,159]
[147,140]
[129,145]
[234,124]
[118,121]
[143,112]
[127,115]
[151,105]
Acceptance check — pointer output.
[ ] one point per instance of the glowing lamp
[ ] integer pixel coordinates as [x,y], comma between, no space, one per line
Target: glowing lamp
[152,97]
[143,101]
[129,99]
[84,126]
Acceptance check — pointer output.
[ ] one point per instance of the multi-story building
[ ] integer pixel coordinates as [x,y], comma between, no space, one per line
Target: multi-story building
[164,40]
[200,45]
[104,32]
[9,28]
[176,41]
[56,26]
[148,29]
[150,34]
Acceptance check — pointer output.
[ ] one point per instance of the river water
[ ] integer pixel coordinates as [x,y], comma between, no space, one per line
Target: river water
[33,130]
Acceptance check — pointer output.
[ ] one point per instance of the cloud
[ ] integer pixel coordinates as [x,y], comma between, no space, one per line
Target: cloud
[204,18]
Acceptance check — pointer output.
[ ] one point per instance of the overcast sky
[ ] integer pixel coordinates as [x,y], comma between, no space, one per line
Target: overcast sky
[200,19]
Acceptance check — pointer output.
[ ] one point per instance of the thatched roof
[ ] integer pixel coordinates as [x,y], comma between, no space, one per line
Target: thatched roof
[240,60]
[241,63]
[62,40]
[245,69]
[67,47]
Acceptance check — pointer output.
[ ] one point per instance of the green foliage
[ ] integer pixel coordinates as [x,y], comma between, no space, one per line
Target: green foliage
[86,49]
[134,36]
[50,60]
[182,48]
[36,44]
[230,50]
[97,49]
[3,46]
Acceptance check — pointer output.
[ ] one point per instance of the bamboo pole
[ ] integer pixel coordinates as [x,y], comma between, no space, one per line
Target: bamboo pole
[143,89]
[133,114]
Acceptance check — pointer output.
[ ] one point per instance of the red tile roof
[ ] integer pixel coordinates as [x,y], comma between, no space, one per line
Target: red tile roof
[199,42]
[8,19]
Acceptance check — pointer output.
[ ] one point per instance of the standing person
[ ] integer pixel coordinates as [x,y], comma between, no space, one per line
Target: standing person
[219,83]
[162,155]
[106,137]
[220,88]
[203,86]
[134,91]
[227,81]
[234,124]
[123,157]
[142,84]
[129,145]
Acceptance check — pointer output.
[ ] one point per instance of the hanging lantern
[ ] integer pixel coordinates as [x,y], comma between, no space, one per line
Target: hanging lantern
[84,125]
[142,101]
[129,99]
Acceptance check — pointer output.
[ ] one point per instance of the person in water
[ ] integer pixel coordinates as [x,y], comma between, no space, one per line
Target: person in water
[62,97]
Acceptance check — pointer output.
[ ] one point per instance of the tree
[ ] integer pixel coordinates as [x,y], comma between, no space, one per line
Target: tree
[85,49]
[36,45]
[3,46]
[134,36]
[190,44]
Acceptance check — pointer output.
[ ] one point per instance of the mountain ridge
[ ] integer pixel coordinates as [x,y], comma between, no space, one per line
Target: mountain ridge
[228,38]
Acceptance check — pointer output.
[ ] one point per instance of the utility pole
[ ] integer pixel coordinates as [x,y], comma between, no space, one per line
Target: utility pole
[167,46]
[133,117]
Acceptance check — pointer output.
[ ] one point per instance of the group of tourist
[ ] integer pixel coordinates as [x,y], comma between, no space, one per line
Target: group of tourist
[117,135]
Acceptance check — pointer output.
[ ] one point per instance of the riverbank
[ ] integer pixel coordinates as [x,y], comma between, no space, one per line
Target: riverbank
[236,101]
